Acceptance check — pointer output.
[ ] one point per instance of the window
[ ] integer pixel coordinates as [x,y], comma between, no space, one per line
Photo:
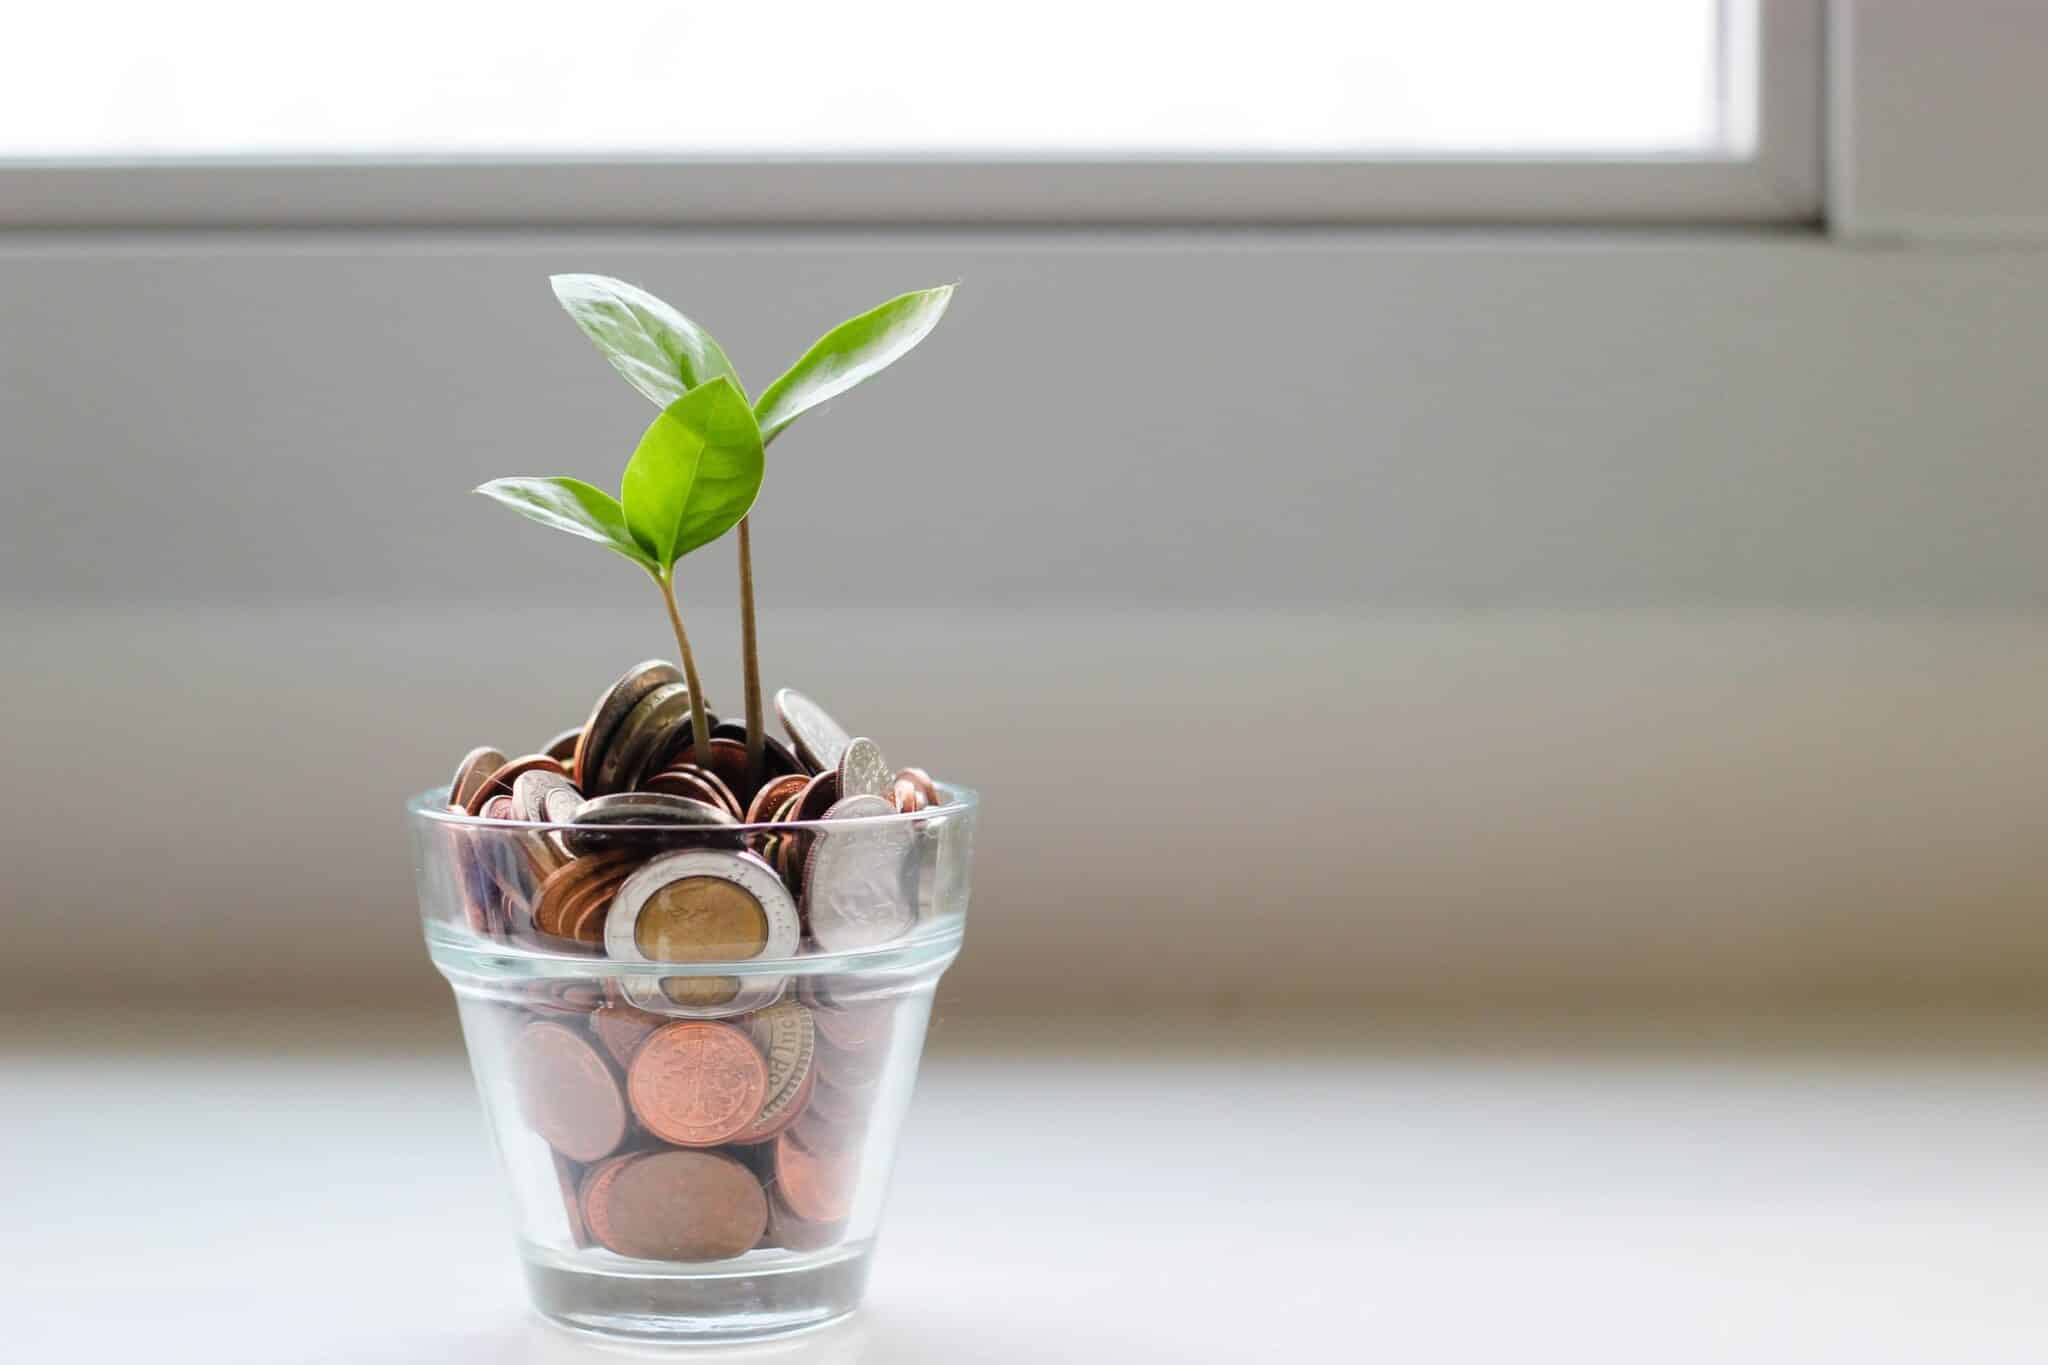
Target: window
[919,109]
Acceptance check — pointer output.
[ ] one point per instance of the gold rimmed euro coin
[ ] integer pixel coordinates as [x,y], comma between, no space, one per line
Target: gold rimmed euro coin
[820,740]
[612,707]
[702,906]
[858,891]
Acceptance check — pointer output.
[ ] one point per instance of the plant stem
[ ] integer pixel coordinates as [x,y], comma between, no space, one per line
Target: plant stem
[700,724]
[750,657]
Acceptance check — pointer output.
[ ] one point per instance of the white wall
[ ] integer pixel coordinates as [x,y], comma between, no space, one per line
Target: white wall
[1333,614]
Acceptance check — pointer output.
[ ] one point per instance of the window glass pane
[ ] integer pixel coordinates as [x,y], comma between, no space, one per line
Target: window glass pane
[810,77]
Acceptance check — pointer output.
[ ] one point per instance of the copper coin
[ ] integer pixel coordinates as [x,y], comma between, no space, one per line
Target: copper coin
[649,730]
[570,1177]
[567,1092]
[788,1042]
[697,1083]
[697,783]
[584,919]
[819,796]
[562,748]
[922,780]
[774,795]
[863,771]
[500,781]
[593,1196]
[904,795]
[820,740]
[496,808]
[621,697]
[814,1186]
[562,997]
[834,1105]
[476,765]
[684,1206]
[568,883]
[728,762]
[785,1229]
[621,1028]
[777,758]
[825,1137]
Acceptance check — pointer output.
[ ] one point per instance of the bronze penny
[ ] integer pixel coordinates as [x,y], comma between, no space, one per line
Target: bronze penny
[830,1103]
[562,748]
[819,796]
[593,1196]
[567,1092]
[568,883]
[905,796]
[570,1177]
[500,781]
[814,1186]
[774,795]
[684,1206]
[697,784]
[622,1028]
[728,763]
[559,997]
[584,919]
[824,1137]
[777,758]
[922,780]
[618,699]
[476,765]
[497,808]
[697,1083]
[787,1230]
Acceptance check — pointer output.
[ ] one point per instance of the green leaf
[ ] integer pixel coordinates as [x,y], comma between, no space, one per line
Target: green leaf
[570,505]
[695,474]
[659,351]
[849,353]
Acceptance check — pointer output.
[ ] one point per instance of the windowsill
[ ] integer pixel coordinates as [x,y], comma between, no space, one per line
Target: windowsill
[1868,1189]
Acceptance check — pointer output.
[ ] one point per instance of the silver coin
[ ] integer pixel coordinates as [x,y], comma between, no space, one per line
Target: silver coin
[536,794]
[646,730]
[858,887]
[618,699]
[863,771]
[755,878]
[820,740]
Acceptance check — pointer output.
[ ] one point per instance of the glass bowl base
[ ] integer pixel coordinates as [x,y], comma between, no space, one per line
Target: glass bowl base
[644,1302]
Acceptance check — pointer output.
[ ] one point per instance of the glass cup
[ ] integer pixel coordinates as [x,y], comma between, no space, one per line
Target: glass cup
[695,1046]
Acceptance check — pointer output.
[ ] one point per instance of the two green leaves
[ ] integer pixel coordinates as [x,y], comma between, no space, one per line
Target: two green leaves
[698,467]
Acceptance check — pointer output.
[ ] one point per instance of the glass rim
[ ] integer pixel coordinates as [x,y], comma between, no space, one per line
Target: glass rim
[431,807]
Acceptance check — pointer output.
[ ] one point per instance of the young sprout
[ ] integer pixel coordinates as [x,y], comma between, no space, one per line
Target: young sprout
[692,478]
[666,356]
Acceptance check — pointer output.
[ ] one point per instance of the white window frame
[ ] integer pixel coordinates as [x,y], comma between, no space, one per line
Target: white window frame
[1778,179]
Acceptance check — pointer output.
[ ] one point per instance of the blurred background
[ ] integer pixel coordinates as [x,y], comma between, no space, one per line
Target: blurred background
[1463,514]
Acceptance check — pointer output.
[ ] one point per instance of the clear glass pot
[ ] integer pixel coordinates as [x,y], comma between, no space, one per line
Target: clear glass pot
[696,1095]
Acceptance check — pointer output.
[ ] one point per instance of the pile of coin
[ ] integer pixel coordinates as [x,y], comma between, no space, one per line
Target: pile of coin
[658,873]
[697,1139]
[695,1116]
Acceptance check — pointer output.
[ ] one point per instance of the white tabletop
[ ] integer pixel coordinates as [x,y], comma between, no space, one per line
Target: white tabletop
[233,1191]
